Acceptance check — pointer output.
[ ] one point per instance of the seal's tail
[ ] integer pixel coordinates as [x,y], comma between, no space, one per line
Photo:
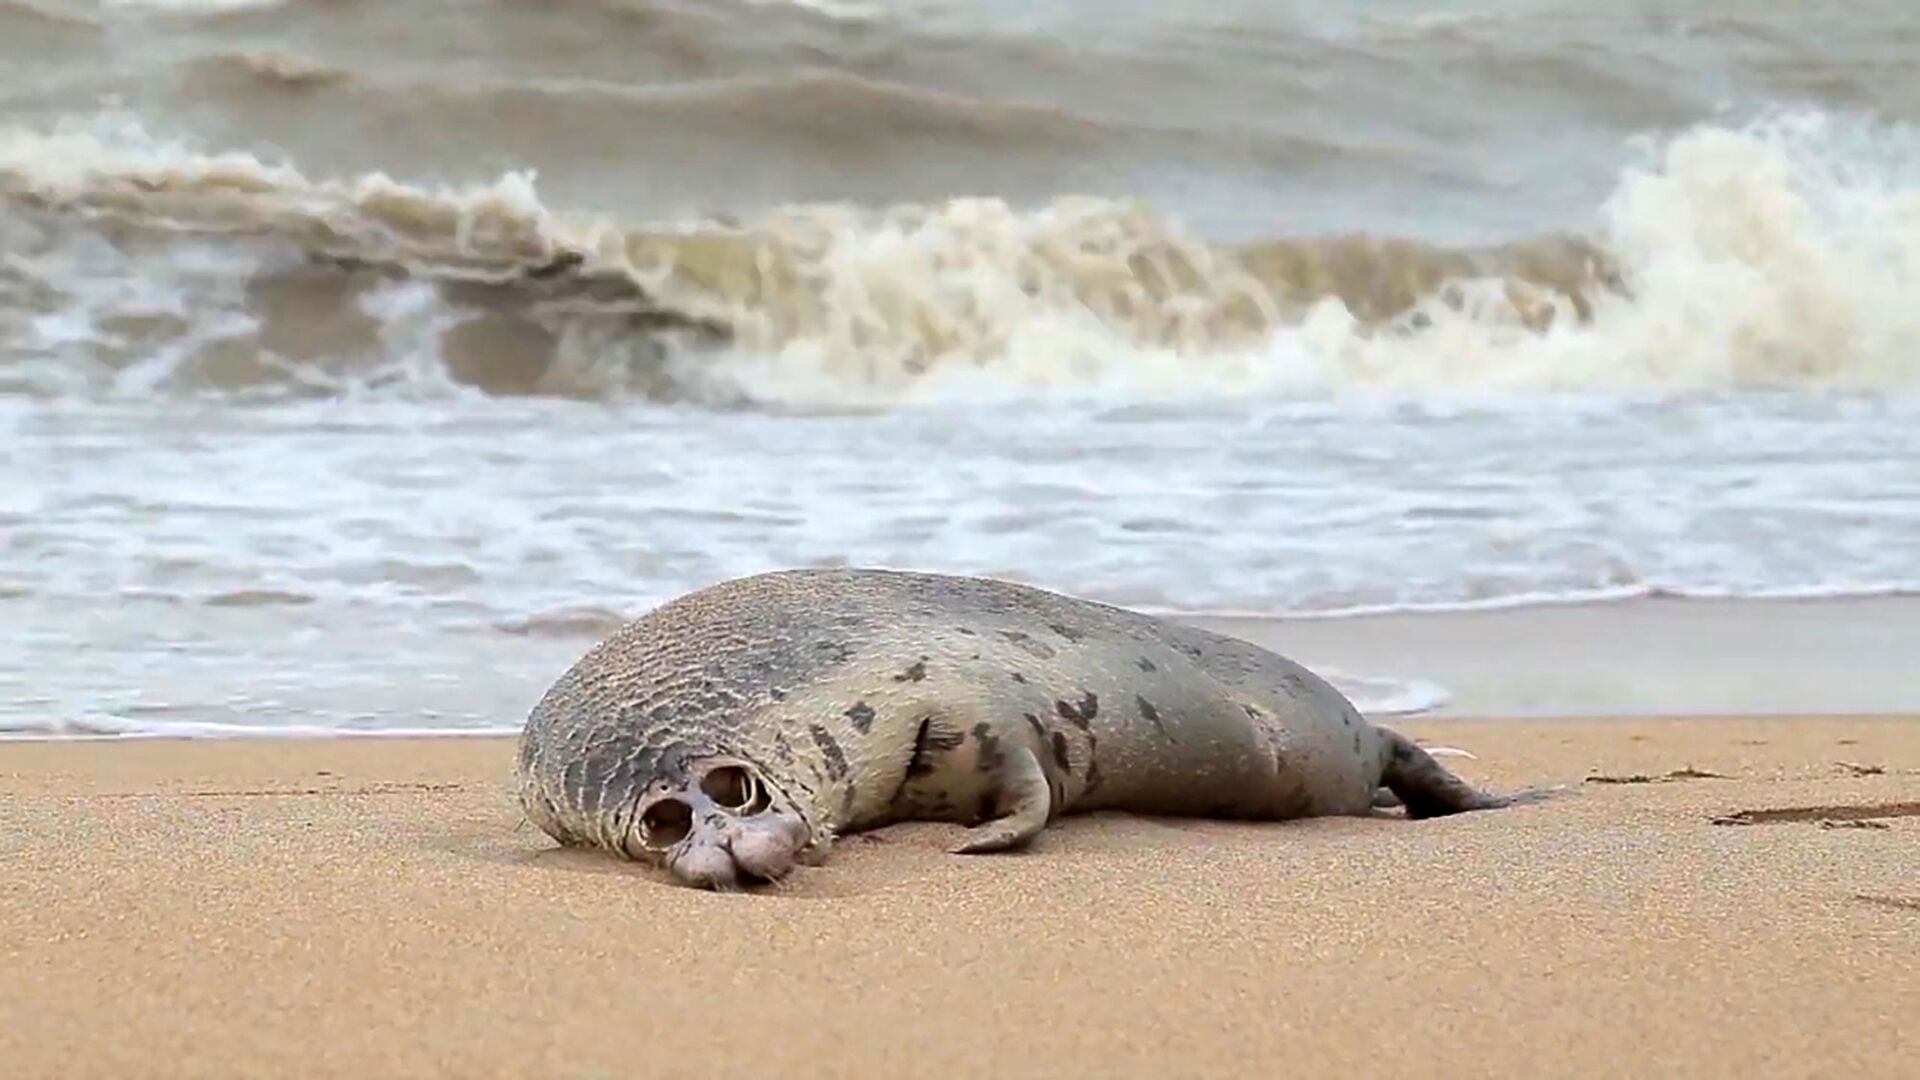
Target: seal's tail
[1424,786]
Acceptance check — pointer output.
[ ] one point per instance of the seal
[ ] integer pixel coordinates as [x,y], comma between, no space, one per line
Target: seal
[731,734]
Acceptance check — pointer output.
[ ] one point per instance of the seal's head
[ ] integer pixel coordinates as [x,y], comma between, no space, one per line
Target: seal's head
[717,821]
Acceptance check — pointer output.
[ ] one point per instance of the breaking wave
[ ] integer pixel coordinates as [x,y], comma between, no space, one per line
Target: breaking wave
[1779,254]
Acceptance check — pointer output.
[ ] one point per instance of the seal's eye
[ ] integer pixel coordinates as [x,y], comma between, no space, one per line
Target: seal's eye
[735,788]
[665,824]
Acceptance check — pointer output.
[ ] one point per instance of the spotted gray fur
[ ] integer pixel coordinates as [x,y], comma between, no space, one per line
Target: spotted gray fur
[856,695]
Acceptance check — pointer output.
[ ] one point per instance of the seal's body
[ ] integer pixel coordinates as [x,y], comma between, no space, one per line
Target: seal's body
[741,727]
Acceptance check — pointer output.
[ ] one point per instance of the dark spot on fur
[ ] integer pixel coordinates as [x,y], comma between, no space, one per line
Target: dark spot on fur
[1296,684]
[1071,714]
[1019,678]
[777,694]
[846,804]
[944,741]
[1039,728]
[917,764]
[1065,631]
[991,757]
[799,782]
[929,742]
[782,747]
[1089,705]
[1083,713]
[861,717]
[1153,717]
[926,743]
[1356,742]
[836,757]
[915,673]
[1145,664]
[1253,714]
[1060,754]
[963,630]
[1038,648]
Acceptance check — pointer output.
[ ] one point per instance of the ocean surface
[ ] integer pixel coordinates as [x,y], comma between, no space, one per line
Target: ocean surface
[349,351]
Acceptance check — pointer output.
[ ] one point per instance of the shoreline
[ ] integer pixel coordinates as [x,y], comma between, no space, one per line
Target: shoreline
[344,677]
[1712,896]
[1799,656]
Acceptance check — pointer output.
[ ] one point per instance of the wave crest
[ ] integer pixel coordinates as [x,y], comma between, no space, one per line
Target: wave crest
[1777,254]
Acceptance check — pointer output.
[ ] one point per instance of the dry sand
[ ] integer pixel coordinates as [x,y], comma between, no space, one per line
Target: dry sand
[375,908]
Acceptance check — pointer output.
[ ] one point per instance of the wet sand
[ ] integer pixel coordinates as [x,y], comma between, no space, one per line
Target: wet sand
[1649,656]
[376,907]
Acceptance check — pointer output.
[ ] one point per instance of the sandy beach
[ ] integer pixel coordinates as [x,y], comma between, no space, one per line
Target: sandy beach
[1543,375]
[1713,897]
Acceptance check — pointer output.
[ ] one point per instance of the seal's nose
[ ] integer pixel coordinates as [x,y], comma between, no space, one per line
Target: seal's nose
[706,866]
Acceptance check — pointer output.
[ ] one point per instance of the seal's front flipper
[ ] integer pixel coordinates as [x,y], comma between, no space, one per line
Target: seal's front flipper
[1427,789]
[1025,803]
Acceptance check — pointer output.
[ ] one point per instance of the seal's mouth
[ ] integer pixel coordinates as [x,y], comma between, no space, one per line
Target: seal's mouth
[761,875]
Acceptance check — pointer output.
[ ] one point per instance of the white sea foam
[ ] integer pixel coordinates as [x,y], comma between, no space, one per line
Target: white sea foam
[192,7]
[1780,254]
[116,728]
[847,10]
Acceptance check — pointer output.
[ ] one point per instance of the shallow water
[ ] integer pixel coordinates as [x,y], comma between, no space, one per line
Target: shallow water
[466,322]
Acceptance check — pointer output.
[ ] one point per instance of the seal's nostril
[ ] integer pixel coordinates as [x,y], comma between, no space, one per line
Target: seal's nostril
[665,824]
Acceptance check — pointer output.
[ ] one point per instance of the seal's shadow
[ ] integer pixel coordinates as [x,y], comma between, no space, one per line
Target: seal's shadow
[859,864]
[902,854]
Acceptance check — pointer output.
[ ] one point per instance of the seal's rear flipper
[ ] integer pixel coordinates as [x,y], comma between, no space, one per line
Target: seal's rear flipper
[1427,789]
